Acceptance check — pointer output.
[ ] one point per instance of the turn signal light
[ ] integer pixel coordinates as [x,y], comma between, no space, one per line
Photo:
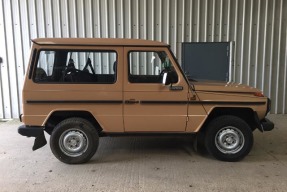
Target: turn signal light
[258,94]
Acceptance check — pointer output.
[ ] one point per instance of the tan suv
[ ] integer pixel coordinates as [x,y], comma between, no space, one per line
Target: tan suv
[78,90]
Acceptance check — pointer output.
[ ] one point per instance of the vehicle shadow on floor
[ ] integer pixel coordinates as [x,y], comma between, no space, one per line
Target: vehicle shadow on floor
[130,148]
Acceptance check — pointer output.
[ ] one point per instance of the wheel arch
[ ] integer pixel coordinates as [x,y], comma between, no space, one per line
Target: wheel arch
[245,113]
[57,116]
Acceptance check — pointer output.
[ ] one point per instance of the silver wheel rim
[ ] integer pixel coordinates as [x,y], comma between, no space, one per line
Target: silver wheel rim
[229,140]
[73,142]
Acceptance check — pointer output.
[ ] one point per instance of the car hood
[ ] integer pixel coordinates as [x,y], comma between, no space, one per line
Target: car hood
[219,86]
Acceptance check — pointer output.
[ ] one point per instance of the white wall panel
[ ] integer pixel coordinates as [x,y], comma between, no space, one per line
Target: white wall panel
[258,28]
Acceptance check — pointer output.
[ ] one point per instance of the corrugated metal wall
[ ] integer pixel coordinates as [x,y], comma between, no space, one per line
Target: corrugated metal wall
[258,27]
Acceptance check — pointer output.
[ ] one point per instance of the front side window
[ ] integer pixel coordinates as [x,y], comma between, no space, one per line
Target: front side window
[60,66]
[149,66]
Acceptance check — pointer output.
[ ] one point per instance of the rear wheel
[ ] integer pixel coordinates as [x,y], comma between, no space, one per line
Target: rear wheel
[74,140]
[228,138]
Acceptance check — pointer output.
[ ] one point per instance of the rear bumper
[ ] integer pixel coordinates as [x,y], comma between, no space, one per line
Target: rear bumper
[30,131]
[34,131]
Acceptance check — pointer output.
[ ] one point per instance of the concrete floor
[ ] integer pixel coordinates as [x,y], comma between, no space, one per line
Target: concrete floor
[144,164]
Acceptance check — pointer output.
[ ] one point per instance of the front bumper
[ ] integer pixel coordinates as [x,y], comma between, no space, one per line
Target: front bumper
[264,125]
[34,131]
[267,125]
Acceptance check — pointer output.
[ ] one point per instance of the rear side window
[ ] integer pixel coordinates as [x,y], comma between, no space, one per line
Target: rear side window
[58,66]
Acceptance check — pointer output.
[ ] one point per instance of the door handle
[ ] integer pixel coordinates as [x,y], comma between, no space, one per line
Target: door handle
[131,101]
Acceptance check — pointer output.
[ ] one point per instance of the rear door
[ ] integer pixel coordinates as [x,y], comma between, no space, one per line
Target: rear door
[150,106]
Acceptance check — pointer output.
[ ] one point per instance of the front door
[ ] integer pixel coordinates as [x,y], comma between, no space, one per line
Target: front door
[150,106]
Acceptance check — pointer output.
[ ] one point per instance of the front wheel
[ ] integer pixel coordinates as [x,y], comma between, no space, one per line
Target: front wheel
[228,138]
[74,140]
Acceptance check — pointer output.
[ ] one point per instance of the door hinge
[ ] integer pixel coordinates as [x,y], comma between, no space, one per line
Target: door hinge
[191,96]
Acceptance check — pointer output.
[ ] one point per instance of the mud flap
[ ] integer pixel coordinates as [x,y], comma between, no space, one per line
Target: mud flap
[40,141]
[198,143]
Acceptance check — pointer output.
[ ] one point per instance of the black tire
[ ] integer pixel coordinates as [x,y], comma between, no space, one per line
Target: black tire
[74,141]
[228,138]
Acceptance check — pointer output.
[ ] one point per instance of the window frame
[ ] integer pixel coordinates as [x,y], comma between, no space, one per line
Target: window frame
[35,63]
[146,51]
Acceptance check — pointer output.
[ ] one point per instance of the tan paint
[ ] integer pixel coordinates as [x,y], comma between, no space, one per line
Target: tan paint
[195,123]
[139,116]
[154,117]
[234,97]
[108,115]
[97,42]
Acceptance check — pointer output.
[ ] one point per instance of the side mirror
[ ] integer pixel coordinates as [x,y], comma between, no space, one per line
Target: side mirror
[1,60]
[169,77]
[165,79]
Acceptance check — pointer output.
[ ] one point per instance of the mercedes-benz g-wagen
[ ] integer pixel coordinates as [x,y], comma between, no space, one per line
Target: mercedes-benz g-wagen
[79,89]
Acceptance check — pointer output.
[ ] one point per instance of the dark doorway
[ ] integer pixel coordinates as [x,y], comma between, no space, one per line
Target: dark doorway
[206,60]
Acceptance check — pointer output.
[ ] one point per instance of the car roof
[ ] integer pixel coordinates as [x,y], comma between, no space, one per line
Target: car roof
[97,41]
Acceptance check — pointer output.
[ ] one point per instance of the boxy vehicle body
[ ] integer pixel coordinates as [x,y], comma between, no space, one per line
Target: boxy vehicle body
[80,89]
